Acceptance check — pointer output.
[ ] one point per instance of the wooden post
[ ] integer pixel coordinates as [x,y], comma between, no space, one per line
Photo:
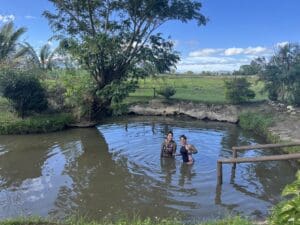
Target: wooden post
[234,155]
[219,172]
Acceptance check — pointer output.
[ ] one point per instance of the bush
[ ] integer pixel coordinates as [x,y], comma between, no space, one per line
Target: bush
[288,212]
[24,91]
[238,90]
[167,91]
[257,123]
[296,96]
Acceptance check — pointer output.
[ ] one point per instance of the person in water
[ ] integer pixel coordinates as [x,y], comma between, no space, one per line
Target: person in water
[187,150]
[168,147]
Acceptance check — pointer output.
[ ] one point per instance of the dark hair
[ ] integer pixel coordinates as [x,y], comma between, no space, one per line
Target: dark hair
[183,136]
[170,132]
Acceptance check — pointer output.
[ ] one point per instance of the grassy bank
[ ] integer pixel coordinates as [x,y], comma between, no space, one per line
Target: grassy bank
[206,89]
[10,124]
[22,221]
[257,123]
[260,123]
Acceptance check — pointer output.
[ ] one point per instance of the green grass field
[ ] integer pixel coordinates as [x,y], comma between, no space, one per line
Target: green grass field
[207,89]
[6,114]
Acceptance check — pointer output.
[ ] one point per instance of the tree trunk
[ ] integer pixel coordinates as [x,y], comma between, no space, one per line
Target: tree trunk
[100,108]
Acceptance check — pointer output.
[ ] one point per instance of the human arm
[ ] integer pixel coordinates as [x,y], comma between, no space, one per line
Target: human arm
[162,149]
[191,149]
[174,149]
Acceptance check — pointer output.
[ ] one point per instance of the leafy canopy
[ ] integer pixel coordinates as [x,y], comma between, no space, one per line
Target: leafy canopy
[282,74]
[115,40]
[238,90]
[288,211]
[24,90]
[9,37]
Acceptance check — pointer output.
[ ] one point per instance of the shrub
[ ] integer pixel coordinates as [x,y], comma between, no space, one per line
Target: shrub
[255,122]
[296,96]
[238,90]
[24,91]
[288,212]
[167,91]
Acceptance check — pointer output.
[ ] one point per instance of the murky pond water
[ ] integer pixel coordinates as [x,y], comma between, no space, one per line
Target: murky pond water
[115,169]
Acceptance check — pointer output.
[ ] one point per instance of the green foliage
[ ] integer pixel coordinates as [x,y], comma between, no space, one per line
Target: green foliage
[167,91]
[8,42]
[288,212]
[117,91]
[205,89]
[255,67]
[229,221]
[136,221]
[24,91]
[118,41]
[281,74]
[35,124]
[71,90]
[44,59]
[238,90]
[258,123]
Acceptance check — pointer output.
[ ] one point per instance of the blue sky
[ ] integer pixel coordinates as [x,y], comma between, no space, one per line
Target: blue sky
[238,30]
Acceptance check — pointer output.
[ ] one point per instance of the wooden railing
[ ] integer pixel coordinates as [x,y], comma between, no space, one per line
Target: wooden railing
[236,160]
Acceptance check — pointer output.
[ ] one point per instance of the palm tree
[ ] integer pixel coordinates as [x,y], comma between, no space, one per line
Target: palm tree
[9,41]
[44,59]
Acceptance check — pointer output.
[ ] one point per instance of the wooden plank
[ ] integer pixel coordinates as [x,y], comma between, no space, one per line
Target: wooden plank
[260,159]
[234,155]
[265,146]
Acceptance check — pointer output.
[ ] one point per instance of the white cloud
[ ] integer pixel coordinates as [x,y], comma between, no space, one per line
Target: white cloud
[224,63]
[233,51]
[246,51]
[208,67]
[205,52]
[282,44]
[6,18]
[207,60]
[255,51]
[221,59]
[29,17]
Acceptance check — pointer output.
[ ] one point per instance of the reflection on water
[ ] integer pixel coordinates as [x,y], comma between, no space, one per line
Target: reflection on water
[116,169]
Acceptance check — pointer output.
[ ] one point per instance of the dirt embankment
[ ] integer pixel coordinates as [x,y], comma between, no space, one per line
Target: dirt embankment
[286,120]
[226,113]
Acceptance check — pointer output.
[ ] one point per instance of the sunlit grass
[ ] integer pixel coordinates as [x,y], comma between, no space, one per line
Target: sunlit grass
[206,89]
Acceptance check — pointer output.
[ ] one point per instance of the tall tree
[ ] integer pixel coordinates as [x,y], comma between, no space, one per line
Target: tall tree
[282,74]
[255,67]
[116,40]
[44,59]
[9,41]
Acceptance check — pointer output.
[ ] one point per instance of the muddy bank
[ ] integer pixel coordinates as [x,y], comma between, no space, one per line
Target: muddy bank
[225,113]
[286,124]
